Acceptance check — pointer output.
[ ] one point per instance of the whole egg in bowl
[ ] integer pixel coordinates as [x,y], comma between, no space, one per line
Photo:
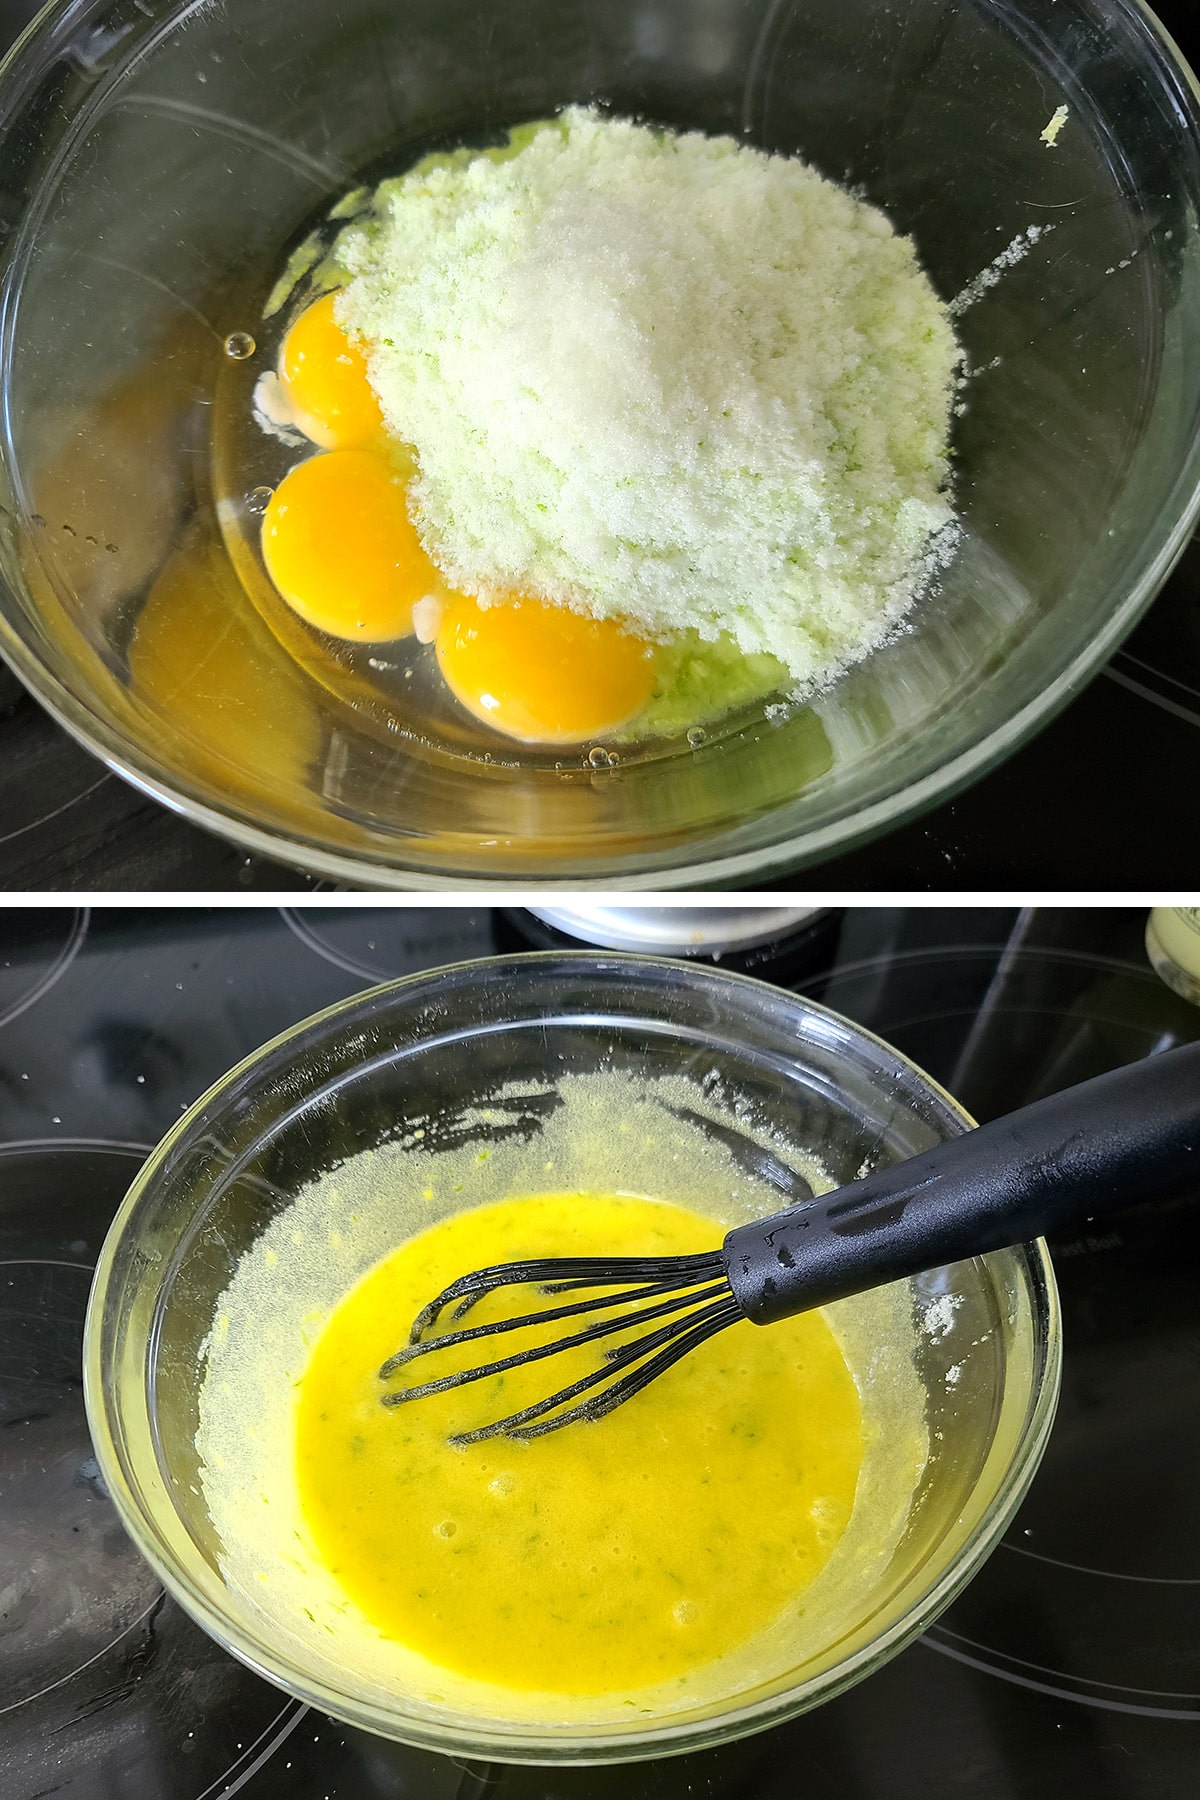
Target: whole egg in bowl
[339,1545]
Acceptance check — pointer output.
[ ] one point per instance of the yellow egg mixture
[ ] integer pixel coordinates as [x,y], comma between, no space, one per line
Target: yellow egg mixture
[609,1555]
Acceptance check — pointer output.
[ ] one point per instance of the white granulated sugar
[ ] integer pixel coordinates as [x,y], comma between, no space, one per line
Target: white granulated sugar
[666,378]
[988,278]
[938,1316]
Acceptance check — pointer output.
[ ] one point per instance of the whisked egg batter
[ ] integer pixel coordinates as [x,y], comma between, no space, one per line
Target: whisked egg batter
[609,1556]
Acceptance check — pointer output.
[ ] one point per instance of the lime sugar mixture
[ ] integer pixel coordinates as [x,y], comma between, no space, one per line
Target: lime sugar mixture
[629,427]
[727,1521]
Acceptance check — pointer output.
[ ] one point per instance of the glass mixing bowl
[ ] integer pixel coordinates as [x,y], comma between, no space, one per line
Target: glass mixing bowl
[162,161]
[425,1055]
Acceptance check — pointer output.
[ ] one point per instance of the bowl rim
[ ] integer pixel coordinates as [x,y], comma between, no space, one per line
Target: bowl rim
[642,1742]
[232,818]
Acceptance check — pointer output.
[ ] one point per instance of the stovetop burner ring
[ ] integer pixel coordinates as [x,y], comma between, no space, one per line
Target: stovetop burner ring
[23,997]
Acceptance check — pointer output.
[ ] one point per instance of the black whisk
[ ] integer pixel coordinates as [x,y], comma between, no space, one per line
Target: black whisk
[1127,1137]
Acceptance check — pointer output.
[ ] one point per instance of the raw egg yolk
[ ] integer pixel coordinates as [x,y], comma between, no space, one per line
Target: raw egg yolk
[541,673]
[339,545]
[325,379]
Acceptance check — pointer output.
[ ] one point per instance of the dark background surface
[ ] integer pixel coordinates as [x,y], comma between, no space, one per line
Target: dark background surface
[1105,798]
[1069,1668]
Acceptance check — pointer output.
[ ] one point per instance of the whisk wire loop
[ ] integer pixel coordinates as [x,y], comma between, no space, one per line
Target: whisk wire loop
[678,1302]
[558,1273]
[670,1341]
[546,1317]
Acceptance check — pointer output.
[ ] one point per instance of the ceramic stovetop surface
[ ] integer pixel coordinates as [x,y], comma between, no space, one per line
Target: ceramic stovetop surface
[1068,1670]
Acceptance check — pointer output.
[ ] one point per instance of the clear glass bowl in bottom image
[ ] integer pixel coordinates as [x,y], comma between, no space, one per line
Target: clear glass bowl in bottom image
[509,1056]
[161,165]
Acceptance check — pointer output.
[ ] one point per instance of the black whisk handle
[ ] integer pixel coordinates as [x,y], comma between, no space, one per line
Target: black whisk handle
[1130,1136]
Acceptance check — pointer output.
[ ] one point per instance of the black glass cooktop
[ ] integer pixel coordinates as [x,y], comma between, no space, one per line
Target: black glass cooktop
[1068,1670]
[1101,799]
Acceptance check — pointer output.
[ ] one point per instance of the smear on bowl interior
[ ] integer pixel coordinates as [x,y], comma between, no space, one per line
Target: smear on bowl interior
[730,1519]
[627,427]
